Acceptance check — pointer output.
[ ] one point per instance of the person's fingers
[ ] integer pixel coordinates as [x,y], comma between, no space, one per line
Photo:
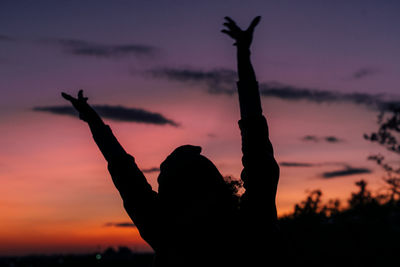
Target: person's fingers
[230,27]
[230,20]
[254,23]
[231,24]
[228,33]
[67,96]
[80,95]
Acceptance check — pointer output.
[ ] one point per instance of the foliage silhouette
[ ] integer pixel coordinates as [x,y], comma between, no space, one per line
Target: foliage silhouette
[365,233]
[389,127]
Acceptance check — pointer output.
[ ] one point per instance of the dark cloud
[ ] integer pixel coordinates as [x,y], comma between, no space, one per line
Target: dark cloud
[92,49]
[389,105]
[211,135]
[120,224]
[84,48]
[346,171]
[363,72]
[312,138]
[332,139]
[296,164]
[217,81]
[223,81]
[287,92]
[307,164]
[329,139]
[150,170]
[117,113]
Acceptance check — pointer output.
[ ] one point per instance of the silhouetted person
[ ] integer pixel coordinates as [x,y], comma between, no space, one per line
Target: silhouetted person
[194,219]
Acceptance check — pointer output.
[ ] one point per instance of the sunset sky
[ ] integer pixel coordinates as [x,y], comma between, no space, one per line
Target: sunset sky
[325,68]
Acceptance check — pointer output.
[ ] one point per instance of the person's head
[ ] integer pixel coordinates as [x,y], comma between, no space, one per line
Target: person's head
[190,185]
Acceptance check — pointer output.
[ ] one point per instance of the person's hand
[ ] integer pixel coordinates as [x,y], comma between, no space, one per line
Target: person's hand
[242,38]
[81,105]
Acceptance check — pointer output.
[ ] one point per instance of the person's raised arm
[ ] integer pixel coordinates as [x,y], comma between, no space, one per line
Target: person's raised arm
[105,140]
[249,97]
[261,172]
[140,201]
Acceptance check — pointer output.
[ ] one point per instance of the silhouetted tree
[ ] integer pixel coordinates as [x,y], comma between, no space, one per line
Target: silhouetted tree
[311,206]
[332,207]
[362,197]
[394,188]
[389,129]
[387,136]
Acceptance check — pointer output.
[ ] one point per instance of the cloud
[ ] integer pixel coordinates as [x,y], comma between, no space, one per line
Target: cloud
[296,164]
[329,139]
[288,92]
[346,171]
[211,135]
[223,81]
[363,72]
[150,170]
[332,139]
[120,224]
[217,81]
[117,113]
[310,138]
[307,164]
[92,49]
[85,48]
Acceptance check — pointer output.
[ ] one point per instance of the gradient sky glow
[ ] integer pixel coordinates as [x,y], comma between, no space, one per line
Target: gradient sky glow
[56,194]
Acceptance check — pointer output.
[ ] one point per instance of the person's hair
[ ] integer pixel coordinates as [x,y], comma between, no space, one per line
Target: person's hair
[186,175]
